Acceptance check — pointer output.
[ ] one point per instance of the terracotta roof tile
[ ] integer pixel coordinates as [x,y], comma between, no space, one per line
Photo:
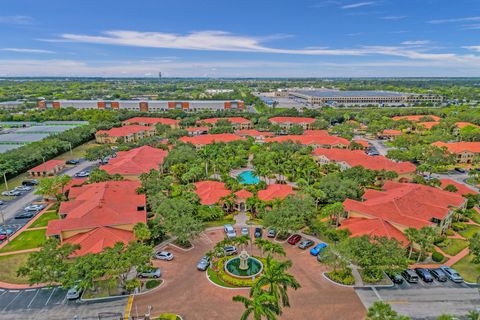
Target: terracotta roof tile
[211,138]
[373,228]
[416,118]
[47,166]
[311,140]
[459,147]
[296,120]
[243,194]
[124,131]
[254,133]
[211,192]
[96,240]
[461,188]
[462,125]
[275,191]
[136,161]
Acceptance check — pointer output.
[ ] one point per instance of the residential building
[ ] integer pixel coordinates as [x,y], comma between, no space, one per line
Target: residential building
[316,133]
[465,152]
[406,205]
[288,122]
[417,118]
[374,227]
[211,192]
[275,191]
[146,121]
[313,140]
[197,131]
[49,168]
[131,164]
[202,140]
[389,134]
[259,136]
[238,123]
[462,189]
[461,125]
[130,133]
[98,215]
[146,105]
[427,125]
[241,198]
[351,158]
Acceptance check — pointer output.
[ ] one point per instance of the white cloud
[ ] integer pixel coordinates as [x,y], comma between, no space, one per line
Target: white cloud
[416,42]
[440,21]
[20,20]
[26,50]
[473,48]
[471,26]
[393,17]
[358,5]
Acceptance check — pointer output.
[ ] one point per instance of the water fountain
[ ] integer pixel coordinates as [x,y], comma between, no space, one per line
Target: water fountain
[243,266]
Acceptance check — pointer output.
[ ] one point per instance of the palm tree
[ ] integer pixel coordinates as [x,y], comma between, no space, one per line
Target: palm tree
[426,236]
[274,248]
[261,304]
[277,280]
[473,315]
[412,236]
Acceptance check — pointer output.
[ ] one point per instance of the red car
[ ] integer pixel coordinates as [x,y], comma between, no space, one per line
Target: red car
[293,240]
[3,237]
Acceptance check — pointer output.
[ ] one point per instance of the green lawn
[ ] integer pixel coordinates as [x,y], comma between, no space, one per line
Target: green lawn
[103,289]
[476,217]
[28,239]
[470,231]
[468,270]
[10,264]
[218,223]
[42,221]
[455,246]
[78,152]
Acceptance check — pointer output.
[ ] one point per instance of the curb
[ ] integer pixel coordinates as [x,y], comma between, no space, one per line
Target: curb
[336,283]
[219,286]
[179,248]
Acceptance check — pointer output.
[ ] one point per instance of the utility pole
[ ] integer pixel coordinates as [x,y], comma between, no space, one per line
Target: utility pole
[5,179]
[71,152]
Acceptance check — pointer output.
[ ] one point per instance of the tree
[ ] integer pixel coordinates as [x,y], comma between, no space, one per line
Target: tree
[474,247]
[98,152]
[295,130]
[332,258]
[412,236]
[141,232]
[335,211]
[98,175]
[383,311]
[450,188]
[473,315]
[291,214]
[261,304]
[179,219]
[49,264]
[53,187]
[426,237]
[277,281]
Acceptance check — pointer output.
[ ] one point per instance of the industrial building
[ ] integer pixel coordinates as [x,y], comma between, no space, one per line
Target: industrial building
[145,105]
[329,97]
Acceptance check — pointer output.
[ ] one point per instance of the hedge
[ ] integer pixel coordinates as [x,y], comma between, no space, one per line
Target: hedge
[437,256]
[343,276]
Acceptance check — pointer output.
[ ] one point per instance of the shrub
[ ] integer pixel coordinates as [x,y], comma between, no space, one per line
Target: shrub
[459,226]
[449,232]
[150,284]
[343,276]
[439,239]
[437,256]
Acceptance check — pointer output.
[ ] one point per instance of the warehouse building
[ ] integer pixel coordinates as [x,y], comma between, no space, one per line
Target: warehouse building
[329,97]
[145,105]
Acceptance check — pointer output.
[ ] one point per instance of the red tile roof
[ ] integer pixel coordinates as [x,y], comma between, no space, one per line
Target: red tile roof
[96,240]
[459,147]
[152,121]
[136,161]
[311,140]
[104,204]
[362,142]
[243,194]
[254,133]
[47,166]
[391,132]
[316,133]
[235,120]
[373,228]
[296,120]
[429,124]
[275,191]
[461,188]
[125,130]
[462,125]
[406,204]
[211,192]
[211,138]
[359,158]
[416,118]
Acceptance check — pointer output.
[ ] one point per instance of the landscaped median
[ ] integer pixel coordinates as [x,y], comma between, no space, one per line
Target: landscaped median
[28,239]
[10,264]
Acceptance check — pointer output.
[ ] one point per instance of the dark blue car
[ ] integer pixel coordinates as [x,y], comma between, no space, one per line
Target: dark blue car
[317,249]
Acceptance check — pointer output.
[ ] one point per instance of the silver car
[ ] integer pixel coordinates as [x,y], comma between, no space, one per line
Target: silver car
[203,263]
[164,255]
[152,273]
[74,293]
[244,231]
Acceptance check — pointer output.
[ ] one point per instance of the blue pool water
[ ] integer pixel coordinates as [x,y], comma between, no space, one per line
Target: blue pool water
[247,177]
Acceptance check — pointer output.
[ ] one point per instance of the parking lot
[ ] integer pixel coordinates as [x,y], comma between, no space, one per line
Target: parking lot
[35,298]
[435,284]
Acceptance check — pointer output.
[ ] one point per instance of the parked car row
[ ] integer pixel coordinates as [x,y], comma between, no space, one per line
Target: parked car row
[30,211]
[82,174]
[441,274]
[307,243]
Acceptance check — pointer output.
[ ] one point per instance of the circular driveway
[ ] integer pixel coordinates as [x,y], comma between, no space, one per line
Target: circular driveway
[187,291]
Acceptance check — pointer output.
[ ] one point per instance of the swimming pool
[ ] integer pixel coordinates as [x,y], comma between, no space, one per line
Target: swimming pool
[248,177]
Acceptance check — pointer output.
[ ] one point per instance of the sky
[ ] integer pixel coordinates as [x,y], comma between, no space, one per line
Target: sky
[248,38]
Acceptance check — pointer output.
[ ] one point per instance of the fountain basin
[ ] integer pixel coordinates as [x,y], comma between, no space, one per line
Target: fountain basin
[232,267]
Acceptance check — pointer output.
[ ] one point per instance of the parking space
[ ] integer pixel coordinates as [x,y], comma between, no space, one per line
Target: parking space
[435,284]
[35,298]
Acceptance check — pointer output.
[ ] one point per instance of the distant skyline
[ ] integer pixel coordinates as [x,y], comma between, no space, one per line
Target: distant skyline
[262,38]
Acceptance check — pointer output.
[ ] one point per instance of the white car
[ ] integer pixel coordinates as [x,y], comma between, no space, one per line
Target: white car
[12,193]
[164,255]
[230,231]
[74,293]
[34,207]
[23,188]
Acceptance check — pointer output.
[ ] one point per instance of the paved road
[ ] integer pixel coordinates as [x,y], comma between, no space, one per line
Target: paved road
[379,145]
[457,177]
[425,301]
